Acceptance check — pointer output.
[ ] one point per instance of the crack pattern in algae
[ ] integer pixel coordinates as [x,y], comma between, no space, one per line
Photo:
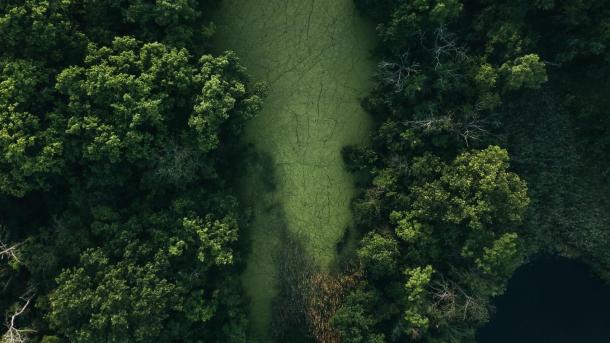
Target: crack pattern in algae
[314,56]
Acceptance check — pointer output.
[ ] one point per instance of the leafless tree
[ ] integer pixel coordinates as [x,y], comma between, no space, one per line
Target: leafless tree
[445,45]
[432,123]
[8,252]
[445,52]
[473,129]
[398,73]
[14,334]
[468,126]
[552,64]
[453,302]
[445,297]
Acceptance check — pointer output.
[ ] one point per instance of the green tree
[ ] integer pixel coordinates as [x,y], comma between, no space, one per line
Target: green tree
[434,180]
[223,96]
[525,72]
[418,280]
[454,237]
[379,254]
[177,23]
[123,302]
[131,101]
[153,281]
[30,150]
[353,320]
[41,30]
[112,105]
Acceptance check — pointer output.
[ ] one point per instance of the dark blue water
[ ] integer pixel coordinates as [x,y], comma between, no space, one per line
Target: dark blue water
[552,300]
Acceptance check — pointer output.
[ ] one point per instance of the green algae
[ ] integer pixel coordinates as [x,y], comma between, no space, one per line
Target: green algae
[314,56]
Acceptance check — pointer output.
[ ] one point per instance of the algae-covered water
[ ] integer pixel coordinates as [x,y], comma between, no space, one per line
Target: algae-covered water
[315,57]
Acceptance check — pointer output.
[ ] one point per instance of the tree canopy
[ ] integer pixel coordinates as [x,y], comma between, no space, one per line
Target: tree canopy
[445,216]
[119,135]
[115,120]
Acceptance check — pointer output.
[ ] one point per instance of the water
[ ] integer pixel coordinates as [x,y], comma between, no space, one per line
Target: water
[552,300]
[315,57]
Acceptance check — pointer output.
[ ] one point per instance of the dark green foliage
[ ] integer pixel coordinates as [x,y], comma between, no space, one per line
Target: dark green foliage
[31,147]
[570,207]
[449,239]
[573,39]
[117,222]
[380,254]
[40,30]
[114,127]
[354,320]
[445,221]
[158,279]
[56,30]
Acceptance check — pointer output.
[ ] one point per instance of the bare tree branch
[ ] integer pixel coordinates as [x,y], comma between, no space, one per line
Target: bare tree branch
[398,73]
[445,45]
[8,252]
[453,302]
[468,126]
[13,334]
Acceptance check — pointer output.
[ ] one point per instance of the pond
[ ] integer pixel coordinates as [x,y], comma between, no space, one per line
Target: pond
[551,300]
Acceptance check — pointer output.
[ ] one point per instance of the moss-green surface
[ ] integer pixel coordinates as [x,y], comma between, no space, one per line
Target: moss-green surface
[315,57]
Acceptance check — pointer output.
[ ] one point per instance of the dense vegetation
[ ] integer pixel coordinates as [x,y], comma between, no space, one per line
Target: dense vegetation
[118,147]
[445,214]
[116,125]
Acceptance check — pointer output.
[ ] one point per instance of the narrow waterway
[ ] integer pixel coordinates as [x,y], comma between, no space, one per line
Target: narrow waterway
[315,57]
[551,300]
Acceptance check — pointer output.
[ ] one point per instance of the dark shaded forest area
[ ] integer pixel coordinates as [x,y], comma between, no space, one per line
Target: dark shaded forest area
[119,148]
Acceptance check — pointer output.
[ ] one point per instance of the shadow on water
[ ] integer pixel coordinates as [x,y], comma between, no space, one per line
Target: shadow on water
[552,300]
[279,269]
[296,267]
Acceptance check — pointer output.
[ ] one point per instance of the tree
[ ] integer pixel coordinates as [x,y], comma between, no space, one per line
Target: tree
[131,100]
[14,334]
[461,205]
[30,149]
[102,302]
[153,281]
[119,103]
[40,30]
[418,280]
[379,254]
[110,104]
[454,236]
[500,259]
[525,72]
[475,189]
[223,96]
[174,23]
[353,320]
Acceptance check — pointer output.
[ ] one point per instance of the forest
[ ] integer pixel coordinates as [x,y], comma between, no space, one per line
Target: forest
[167,175]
